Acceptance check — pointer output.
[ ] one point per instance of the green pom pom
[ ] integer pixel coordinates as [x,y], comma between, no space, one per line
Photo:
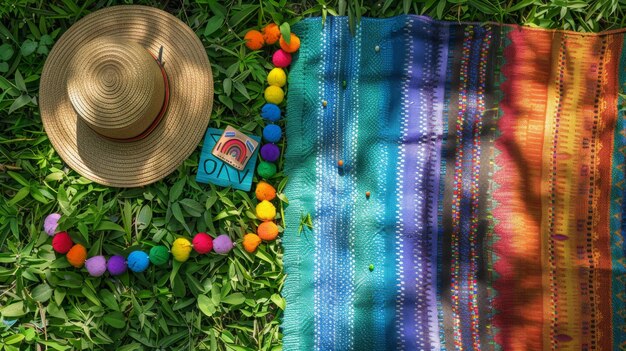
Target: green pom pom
[266,169]
[159,255]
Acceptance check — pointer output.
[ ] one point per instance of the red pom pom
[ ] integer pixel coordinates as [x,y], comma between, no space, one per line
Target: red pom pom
[202,243]
[62,243]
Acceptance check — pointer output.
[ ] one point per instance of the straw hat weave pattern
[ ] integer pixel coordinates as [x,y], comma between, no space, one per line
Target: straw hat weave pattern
[114,112]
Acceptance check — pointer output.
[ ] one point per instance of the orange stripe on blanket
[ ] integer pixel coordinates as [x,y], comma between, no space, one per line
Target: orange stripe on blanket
[552,204]
[517,212]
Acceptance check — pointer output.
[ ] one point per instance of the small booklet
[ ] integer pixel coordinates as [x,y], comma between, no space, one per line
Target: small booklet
[212,169]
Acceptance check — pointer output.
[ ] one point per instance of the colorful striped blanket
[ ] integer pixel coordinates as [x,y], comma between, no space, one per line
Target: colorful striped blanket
[493,157]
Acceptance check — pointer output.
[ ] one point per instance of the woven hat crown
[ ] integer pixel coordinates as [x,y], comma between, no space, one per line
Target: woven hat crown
[116,87]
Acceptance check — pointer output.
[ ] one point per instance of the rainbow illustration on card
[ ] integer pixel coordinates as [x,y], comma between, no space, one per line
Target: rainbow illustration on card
[234,148]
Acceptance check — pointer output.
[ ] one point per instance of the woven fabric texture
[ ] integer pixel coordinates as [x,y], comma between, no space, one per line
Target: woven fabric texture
[493,157]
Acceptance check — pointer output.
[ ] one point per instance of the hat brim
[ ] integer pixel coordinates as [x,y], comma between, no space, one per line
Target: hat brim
[150,159]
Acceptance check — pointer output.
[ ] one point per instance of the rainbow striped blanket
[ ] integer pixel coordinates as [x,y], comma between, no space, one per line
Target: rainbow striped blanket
[493,157]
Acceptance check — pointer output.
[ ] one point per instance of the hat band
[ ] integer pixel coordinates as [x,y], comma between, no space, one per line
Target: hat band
[158,118]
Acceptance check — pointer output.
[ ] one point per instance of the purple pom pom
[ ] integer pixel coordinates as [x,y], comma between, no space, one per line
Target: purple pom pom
[50,223]
[116,265]
[222,244]
[270,152]
[96,266]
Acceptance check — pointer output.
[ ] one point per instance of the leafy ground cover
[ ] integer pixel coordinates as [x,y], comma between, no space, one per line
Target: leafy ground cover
[210,302]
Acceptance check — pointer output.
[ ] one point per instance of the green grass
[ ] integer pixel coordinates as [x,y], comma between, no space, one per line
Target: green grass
[211,302]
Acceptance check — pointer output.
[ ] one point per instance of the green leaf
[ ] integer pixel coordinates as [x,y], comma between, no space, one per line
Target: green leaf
[115,319]
[279,301]
[46,39]
[20,102]
[240,15]
[4,67]
[176,190]
[440,7]
[14,339]
[520,5]
[19,178]
[214,23]
[110,226]
[178,213]
[28,47]
[285,31]
[234,299]
[19,81]
[193,207]
[15,309]
[206,305]
[21,194]
[228,85]
[6,52]
[41,292]
[42,49]
[144,217]
[109,299]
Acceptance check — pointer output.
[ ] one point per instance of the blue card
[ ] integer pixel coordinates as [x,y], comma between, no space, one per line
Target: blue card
[213,170]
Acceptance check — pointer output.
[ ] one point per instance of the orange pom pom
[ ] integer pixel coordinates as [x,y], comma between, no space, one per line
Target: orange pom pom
[77,255]
[251,242]
[271,33]
[264,191]
[254,40]
[293,46]
[267,230]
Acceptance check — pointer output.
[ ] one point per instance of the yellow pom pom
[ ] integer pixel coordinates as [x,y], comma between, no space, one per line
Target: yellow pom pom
[277,77]
[181,248]
[274,94]
[265,211]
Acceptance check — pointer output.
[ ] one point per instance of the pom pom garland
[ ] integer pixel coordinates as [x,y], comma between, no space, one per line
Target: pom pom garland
[254,40]
[274,94]
[293,46]
[77,256]
[96,266]
[251,242]
[270,152]
[51,222]
[265,211]
[116,265]
[159,255]
[264,191]
[266,169]
[181,248]
[271,33]
[222,244]
[62,243]
[281,58]
[272,133]
[202,243]
[277,77]
[270,112]
[138,261]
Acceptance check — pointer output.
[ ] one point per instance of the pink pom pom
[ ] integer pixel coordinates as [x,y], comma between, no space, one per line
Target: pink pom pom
[202,243]
[281,58]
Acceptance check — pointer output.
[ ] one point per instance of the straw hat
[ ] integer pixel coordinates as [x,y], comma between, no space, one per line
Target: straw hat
[114,112]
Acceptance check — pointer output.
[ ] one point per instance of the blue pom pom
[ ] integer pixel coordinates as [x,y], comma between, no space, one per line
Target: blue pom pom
[138,261]
[270,112]
[272,133]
